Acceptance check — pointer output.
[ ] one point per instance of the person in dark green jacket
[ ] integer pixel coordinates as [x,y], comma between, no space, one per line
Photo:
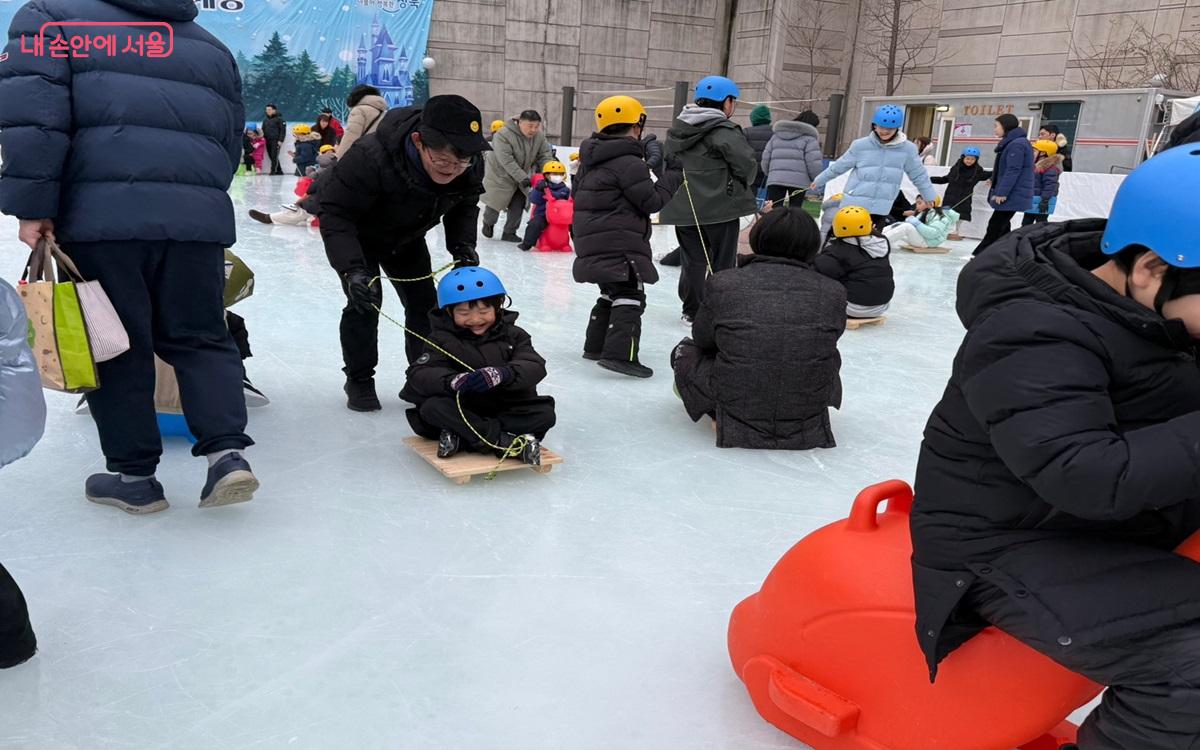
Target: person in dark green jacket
[719,168]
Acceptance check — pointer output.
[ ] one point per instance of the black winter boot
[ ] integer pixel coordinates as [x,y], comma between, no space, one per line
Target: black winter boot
[361,396]
[531,448]
[17,641]
[489,230]
[620,352]
[673,258]
[597,329]
[448,444]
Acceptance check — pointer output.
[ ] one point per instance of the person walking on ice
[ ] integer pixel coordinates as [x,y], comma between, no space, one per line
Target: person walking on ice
[719,169]
[877,164]
[614,198]
[149,224]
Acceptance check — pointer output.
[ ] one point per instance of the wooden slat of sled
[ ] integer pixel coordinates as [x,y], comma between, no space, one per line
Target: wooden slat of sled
[464,466]
[854,324]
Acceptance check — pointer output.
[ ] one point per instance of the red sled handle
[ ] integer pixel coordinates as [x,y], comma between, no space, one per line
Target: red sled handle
[895,492]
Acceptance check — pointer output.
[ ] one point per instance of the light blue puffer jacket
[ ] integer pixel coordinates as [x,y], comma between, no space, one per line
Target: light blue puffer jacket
[935,228]
[879,169]
[22,408]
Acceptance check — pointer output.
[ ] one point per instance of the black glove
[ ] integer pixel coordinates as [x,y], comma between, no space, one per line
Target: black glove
[464,256]
[362,294]
[526,182]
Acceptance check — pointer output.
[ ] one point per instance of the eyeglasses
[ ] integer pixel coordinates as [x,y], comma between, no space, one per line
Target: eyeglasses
[444,163]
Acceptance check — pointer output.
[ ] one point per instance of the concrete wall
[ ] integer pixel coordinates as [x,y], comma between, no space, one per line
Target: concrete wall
[511,55]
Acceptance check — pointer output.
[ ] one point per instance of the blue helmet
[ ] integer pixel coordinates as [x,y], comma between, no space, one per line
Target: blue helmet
[1156,207]
[717,88]
[251,125]
[888,116]
[468,284]
[971,151]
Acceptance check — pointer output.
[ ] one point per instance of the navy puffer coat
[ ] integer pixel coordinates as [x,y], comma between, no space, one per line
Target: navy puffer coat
[121,147]
[1012,177]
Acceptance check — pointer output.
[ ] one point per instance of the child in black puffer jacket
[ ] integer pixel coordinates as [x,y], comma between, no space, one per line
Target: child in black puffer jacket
[858,259]
[614,197]
[485,364]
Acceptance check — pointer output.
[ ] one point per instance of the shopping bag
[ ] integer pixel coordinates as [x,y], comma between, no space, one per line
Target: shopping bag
[107,333]
[239,279]
[60,336]
[166,389]
[105,330]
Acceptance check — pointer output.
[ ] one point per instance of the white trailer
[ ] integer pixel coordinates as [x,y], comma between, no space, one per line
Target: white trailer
[1110,132]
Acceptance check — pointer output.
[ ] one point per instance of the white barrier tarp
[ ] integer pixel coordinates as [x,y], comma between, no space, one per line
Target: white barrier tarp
[1181,109]
[1081,195]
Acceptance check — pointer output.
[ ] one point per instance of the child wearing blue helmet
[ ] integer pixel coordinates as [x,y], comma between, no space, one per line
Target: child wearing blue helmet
[1060,469]
[484,363]
[719,168]
[960,183]
[878,163]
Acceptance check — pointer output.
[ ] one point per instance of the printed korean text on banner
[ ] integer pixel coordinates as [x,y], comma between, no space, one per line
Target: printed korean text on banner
[300,55]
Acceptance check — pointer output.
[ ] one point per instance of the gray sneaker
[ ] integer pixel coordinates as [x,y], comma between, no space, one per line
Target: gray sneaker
[138,498]
[229,481]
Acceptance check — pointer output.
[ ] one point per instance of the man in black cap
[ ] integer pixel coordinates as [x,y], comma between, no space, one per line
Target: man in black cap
[422,166]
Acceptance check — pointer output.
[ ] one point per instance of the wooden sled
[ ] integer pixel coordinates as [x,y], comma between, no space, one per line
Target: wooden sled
[853,324]
[463,467]
[925,250]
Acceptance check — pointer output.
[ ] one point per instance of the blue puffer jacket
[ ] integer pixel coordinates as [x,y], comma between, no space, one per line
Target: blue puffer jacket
[1012,177]
[22,408]
[120,147]
[879,169]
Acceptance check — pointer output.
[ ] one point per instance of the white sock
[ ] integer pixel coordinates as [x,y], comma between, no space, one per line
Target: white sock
[214,457]
[131,478]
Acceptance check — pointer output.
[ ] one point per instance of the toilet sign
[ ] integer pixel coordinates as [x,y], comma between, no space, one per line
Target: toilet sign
[962,130]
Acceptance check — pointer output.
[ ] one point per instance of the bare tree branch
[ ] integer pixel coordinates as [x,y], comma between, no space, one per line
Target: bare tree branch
[806,33]
[898,41]
[1119,60]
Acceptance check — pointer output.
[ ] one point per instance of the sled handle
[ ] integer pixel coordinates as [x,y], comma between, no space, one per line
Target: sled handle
[895,492]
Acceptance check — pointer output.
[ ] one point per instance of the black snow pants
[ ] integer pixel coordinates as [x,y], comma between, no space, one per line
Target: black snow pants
[1153,679]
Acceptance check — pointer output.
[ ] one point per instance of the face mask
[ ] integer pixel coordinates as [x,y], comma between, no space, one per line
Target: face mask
[556,179]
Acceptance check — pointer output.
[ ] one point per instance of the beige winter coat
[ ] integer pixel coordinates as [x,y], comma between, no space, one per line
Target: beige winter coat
[364,118]
[513,158]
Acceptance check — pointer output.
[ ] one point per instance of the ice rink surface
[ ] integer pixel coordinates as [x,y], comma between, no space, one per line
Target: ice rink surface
[364,601]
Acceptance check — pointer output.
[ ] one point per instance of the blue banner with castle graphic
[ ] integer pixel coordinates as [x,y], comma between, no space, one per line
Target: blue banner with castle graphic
[302,55]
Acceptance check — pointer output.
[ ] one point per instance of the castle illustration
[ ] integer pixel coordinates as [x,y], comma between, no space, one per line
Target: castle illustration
[381,67]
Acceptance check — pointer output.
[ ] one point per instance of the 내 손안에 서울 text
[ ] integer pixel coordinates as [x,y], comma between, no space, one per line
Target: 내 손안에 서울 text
[101,38]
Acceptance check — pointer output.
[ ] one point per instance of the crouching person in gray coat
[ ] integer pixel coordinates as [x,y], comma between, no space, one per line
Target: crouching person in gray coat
[22,419]
[764,361]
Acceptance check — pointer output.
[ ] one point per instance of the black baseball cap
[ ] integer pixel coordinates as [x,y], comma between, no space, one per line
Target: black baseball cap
[458,120]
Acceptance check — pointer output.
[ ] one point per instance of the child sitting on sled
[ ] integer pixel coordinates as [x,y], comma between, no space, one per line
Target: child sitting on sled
[475,386]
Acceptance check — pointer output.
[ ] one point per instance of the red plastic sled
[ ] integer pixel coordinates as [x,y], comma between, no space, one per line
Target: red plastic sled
[828,652]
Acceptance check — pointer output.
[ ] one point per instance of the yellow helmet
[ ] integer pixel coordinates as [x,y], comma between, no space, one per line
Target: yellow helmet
[325,149]
[836,197]
[497,124]
[574,156]
[1049,148]
[301,129]
[619,110]
[852,221]
[554,167]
